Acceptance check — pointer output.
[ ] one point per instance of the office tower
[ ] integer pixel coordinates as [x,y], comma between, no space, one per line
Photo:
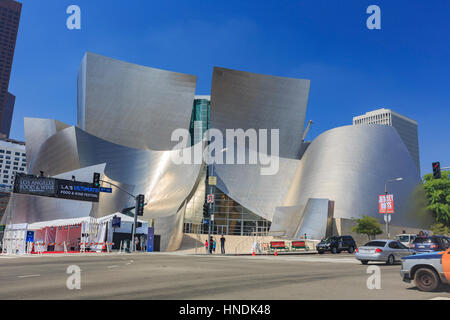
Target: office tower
[9,24]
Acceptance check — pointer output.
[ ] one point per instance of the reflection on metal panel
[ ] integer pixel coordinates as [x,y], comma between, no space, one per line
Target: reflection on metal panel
[243,100]
[133,105]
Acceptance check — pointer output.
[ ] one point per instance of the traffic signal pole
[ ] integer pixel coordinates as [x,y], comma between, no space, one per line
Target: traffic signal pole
[133,242]
[136,208]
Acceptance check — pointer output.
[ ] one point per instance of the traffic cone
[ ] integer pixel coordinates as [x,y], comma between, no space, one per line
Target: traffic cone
[276,253]
[253,253]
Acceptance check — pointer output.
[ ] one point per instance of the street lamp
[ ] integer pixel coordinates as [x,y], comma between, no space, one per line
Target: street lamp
[385,202]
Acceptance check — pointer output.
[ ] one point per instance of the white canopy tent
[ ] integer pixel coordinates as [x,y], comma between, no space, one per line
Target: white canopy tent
[126,226]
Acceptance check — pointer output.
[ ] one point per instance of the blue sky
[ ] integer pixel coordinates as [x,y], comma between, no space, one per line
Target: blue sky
[404,66]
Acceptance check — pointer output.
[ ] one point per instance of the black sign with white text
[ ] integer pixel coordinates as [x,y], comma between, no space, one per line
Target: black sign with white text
[56,188]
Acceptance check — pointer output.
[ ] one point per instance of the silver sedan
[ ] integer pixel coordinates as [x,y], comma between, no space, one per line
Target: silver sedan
[389,251]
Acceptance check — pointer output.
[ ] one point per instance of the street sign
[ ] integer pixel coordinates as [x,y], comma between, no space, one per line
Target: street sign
[107,190]
[387,217]
[210,198]
[206,221]
[212,181]
[386,203]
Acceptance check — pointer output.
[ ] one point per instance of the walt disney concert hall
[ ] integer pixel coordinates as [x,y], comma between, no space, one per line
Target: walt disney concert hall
[127,114]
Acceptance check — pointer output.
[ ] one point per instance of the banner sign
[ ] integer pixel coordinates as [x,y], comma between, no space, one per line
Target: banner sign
[75,190]
[55,188]
[38,186]
[150,237]
[386,203]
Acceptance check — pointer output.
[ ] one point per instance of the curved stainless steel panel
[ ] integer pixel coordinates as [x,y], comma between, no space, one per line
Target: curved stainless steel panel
[350,165]
[259,193]
[167,186]
[37,131]
[244,100]
[133,105]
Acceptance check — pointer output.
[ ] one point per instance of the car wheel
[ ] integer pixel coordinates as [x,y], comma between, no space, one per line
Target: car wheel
[350,250]
[426,280]
[390,260]
[364,261]
[334,250]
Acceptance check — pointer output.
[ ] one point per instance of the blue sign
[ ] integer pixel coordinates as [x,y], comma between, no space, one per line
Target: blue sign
[30,236]
[206,221]
[108,190]
[116,221]
[150,237]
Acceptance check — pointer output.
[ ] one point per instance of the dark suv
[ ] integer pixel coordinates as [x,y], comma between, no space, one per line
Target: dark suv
[337,244]
[430,244]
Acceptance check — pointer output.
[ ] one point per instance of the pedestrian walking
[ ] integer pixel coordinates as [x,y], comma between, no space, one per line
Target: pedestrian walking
[206,245]
[211,244]
[222,244]
[214,246]
[136,243]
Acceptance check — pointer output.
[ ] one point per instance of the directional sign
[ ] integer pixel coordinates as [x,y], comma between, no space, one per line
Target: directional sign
[107,190]
[387,217]
[210,198]
[206,221]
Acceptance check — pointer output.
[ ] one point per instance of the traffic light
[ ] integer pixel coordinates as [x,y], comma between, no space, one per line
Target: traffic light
[205,210]
[436,170]
[96,180]
[140,204]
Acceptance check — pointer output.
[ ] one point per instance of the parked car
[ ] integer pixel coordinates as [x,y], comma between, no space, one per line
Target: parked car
[406,239]
[389,251]
[428,270]
[337,244]
[430,244]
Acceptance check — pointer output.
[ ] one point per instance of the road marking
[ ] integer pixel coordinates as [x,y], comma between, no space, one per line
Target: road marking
[29,276]
[112,266]
[440,298]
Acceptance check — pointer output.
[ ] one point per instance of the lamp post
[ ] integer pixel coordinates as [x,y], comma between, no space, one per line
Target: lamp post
[385,204]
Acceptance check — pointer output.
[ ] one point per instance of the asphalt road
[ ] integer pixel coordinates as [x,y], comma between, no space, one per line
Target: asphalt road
[175,276]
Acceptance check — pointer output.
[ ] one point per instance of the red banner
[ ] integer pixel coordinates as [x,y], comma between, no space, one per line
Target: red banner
[386,203]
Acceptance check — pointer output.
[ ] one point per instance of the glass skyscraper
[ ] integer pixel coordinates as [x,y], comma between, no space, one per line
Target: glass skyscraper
[9,24]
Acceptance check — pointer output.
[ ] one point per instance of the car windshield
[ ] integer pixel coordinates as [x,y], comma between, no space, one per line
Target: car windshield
[425,240]
[375,244]
[403,238]
[330,239]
